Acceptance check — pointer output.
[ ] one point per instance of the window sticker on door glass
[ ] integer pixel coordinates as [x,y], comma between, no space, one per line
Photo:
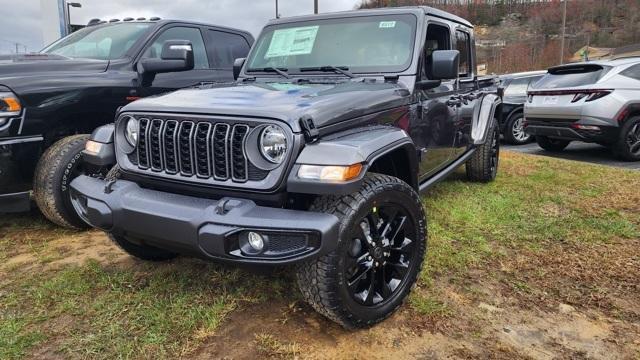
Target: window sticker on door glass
[387,24]
[294,41]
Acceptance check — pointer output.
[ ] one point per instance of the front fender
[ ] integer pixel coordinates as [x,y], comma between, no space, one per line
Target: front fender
[483,118]
[102,153]
[361,145]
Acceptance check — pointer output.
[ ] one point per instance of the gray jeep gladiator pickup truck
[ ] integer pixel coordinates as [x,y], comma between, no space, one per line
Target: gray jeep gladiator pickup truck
[316,156]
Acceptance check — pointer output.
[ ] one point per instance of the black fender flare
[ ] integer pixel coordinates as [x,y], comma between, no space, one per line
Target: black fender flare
[483,116]
[362,145]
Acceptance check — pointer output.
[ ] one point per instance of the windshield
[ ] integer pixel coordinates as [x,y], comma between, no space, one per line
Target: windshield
[102,42]
[374,44]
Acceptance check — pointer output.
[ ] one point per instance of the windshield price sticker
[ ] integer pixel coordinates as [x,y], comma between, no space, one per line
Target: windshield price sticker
[294,41]
[387,24]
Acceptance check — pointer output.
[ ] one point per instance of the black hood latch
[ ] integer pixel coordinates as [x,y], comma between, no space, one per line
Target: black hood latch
[311,133]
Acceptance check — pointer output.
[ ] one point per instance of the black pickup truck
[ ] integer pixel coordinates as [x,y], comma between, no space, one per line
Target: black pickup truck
[50,101]
[315,156]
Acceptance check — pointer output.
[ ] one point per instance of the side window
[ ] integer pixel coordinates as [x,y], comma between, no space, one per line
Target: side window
[181,33]
[463,44]
[438,38]
[226,48]
[632,72]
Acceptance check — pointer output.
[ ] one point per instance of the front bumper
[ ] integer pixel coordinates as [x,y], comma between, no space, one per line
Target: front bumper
[572,130]
[201,227]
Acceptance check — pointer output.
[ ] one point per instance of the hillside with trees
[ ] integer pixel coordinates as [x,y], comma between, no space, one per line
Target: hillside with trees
[520,35]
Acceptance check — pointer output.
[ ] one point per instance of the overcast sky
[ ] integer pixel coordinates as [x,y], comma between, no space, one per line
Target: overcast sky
[21,19]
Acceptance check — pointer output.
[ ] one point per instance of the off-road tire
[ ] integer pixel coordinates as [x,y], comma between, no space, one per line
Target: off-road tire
[509,137]
[321,280]
[141,250]
[52,177]
[621,148]
[483,164]
[553,145]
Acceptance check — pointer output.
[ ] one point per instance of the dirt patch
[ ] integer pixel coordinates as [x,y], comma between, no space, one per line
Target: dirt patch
[72,250]
[600,277]
[315,337]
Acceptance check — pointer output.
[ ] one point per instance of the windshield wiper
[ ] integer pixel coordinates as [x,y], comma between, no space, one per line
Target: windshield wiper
[279,71]
[326,68]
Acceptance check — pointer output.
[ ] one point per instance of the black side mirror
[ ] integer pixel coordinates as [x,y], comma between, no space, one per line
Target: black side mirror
[445,64]
[177,55]
[237,66]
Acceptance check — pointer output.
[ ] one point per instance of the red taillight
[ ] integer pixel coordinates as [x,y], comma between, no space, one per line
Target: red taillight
[589,94]
[598,94]
[577,97]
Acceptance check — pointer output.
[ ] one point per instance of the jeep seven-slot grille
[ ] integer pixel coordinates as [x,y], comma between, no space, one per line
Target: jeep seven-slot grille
[202,149]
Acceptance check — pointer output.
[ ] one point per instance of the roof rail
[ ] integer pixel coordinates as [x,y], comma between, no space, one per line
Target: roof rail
[127,19]
[94,21]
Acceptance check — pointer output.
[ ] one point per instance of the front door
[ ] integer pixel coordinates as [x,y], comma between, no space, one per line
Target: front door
[202,70]
[435,134]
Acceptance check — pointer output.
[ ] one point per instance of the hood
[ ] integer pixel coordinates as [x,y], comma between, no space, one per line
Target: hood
[325,103]
[14,68]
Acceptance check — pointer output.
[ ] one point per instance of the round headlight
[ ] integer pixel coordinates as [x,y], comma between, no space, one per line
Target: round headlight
[273,144]
[131,131]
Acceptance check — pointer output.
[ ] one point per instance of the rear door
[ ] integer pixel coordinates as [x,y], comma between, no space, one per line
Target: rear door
[468,91]
[224,47]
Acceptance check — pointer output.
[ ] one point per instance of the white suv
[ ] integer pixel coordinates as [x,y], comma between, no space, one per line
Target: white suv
[593,102]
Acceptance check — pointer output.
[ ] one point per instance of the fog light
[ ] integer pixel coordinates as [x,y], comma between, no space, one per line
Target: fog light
[255,241]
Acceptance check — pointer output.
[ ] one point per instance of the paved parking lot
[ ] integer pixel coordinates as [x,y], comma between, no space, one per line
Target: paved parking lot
[578,151]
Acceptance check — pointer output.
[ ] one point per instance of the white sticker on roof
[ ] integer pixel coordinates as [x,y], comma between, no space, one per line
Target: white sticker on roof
[293,41]
[387,24]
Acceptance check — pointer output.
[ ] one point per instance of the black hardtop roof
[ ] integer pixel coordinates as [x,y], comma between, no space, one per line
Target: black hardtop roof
[170,21]
[377,11]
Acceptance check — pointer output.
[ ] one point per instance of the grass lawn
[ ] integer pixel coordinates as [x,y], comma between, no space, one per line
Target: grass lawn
[542,263]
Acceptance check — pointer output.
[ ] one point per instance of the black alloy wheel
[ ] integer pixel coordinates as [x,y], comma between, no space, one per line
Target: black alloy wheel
[633,140]
[381,247]
[380,254]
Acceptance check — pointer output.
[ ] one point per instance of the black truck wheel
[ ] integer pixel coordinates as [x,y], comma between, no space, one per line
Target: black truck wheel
[140,250]
[550,144]
[58,166]
[483,164]
[514,132]
[379,255]
[628,145]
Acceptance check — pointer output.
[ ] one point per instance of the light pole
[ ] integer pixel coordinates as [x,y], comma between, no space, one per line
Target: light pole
[69,6]
[564,25]
[277,15]
[315,6]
